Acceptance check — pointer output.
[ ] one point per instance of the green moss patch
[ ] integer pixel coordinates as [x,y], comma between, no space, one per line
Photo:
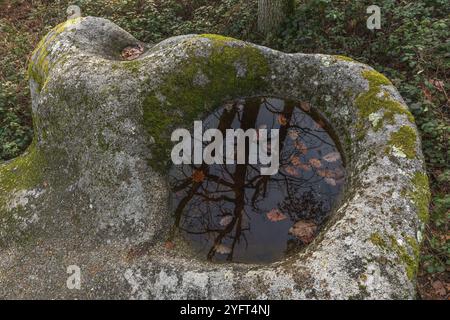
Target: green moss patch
[377,240]
[377,99]
[410,261]
[421,195]
[404,141]
[40,64]
[344,58]
[22,173]
[229,69]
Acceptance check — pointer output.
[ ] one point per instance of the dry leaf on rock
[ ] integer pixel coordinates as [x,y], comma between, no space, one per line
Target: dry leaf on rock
[132,52]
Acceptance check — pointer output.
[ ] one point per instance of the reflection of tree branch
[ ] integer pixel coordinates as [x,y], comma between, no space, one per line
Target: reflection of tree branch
[261,185]
[225,122]
[230,188]
[249,117]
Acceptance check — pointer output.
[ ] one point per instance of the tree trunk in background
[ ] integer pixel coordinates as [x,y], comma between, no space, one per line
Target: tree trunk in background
[272,13]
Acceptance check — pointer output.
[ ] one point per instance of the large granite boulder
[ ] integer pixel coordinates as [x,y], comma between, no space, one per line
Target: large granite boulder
[92,190]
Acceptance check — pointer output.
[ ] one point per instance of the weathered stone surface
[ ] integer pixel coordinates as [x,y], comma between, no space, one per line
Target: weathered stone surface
[91,190]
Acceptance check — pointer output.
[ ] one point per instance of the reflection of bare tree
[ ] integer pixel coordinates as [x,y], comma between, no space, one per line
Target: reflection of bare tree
[229,191]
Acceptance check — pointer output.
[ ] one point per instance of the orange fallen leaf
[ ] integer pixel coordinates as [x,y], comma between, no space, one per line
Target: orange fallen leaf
[282,120]
[315,162]
[295,161]
[132,52]
[304,230]
[291,171]
[275,215]
[324,173]
[198,175]
[300,146]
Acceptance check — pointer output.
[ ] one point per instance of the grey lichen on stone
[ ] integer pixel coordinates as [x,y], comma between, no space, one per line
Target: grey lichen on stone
[92,190]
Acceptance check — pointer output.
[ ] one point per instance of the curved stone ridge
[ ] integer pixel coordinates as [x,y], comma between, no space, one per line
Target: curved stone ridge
[91,190]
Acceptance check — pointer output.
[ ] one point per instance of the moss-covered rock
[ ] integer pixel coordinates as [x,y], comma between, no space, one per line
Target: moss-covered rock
[92,190]
[378,99]
[228,68]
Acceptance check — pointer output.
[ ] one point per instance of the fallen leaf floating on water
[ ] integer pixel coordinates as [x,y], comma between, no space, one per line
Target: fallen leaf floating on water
[291,171]
[198,176]
[300,146]
[332,157]
[304,230]
[326,173]
[282,120]
[304,166]
[131,53]
[295,161]
[293,134]
[330,181]
[315,162]
[222,249]
[305,106]
[226,220]
[275,215]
